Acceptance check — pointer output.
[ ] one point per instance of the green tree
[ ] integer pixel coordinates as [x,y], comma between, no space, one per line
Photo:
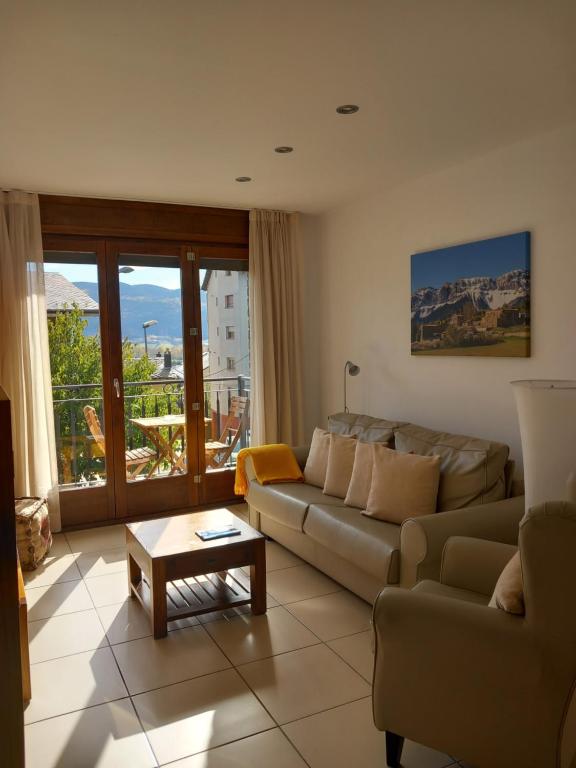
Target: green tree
[75,362]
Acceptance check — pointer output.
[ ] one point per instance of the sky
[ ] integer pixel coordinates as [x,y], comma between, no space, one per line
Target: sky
[484,258]
[86,273]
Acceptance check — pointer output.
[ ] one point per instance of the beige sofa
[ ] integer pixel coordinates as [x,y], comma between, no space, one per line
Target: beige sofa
[364,554]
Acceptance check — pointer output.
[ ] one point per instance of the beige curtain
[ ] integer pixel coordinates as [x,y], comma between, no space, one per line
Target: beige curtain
[24,358]
[275,328]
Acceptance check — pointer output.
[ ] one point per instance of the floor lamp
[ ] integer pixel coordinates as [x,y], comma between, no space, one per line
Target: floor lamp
[547,416]
[350,369]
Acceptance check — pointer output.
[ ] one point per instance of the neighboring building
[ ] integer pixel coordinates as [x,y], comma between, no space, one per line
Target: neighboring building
[228,351]
[62,295]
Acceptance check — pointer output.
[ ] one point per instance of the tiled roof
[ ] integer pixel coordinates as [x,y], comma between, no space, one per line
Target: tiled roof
[61,294]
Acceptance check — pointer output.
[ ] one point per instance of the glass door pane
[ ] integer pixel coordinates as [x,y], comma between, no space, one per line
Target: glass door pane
[225,360]
[153,378]
[73,317]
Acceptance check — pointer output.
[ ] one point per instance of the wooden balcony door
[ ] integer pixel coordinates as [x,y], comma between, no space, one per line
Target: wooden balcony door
[127,386]
[155,383]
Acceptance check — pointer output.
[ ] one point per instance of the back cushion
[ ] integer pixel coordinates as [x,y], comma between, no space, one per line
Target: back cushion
[472,470]
[340,463]
[365,428]
[317,461]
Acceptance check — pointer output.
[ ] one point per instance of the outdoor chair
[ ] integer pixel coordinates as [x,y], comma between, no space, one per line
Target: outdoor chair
[136,459]
[218,451]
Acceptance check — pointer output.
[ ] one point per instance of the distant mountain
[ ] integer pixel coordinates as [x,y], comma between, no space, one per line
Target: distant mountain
[139,303]
[510,289]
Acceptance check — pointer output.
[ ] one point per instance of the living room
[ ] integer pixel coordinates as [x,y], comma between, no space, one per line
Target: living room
[259,521]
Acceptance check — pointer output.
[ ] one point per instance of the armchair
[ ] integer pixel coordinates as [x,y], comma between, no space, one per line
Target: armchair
[492,688]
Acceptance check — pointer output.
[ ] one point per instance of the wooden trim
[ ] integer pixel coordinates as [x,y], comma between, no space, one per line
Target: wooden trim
[131,219]
[11,703]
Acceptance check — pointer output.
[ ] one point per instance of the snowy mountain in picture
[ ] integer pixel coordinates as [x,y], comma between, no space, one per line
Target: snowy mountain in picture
[509,290]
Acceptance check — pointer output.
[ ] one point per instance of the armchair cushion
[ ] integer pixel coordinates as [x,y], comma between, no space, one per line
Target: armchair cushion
[509,592]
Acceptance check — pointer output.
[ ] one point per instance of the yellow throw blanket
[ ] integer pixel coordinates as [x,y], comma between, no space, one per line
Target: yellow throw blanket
[273,463]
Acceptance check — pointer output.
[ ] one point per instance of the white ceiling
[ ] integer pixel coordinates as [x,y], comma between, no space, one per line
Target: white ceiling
[172,99]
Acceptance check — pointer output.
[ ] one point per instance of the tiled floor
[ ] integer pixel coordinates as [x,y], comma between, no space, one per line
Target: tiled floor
[286,690]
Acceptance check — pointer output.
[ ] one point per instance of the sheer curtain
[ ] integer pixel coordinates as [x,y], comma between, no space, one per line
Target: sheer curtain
[24,357]
[275,328]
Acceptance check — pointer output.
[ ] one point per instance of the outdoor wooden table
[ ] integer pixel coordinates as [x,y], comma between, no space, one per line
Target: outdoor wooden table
[174,574]
[165,446]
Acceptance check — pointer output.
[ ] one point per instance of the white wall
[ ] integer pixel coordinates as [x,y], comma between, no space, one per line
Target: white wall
[357,289]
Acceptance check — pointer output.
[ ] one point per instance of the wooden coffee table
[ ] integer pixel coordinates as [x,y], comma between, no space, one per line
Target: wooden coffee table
[175,574]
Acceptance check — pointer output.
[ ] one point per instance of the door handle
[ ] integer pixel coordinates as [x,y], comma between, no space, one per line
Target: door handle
[117,387]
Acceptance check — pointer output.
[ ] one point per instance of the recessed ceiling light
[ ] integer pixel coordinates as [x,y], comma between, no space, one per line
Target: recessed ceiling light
[347,109]
[243,178]
[283,150]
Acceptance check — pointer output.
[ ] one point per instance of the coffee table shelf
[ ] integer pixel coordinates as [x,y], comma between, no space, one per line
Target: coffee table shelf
[196,596]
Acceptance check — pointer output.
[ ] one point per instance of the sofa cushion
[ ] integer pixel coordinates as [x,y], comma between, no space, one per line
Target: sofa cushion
[427,587]
[365,428]
[317,461]
[340,464]
[370,544]
[472,470]
[403,485]
[287,503]
[361,479]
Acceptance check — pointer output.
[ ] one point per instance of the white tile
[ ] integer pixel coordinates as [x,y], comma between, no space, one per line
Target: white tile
[299,583]
[129,621]
[60,545]
[358,651]
[270,749]
[53,570]
[278,557]
[199,714]
[302,682]
[73,682]
[346,736]
[106,736]
[232,613]
[108,590]
[248,638]
[147,663]
[332,616]
[64,635]
[102,563]
[57,599]
[97,539]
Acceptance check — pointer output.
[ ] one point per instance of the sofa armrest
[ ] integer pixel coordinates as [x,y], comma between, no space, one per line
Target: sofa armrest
[474,564]
[422,539]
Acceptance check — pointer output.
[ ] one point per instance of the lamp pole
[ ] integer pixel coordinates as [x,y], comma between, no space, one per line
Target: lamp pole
[350,369]
[145,326]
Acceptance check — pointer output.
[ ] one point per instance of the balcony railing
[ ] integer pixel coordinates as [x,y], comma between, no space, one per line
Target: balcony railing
[81,457]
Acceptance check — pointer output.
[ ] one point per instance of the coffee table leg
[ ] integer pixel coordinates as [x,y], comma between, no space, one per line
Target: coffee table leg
[134,574]
[158,600]
[258,578]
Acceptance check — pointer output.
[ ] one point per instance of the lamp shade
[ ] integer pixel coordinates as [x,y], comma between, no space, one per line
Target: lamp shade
[547,416]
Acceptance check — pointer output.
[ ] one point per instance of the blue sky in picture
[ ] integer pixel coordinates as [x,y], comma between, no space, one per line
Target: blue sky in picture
[483,258]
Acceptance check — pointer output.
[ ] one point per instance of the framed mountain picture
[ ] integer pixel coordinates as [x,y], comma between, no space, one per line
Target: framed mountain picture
[473,299]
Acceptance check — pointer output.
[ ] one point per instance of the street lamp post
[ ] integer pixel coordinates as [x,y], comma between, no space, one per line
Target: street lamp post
[145,326]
